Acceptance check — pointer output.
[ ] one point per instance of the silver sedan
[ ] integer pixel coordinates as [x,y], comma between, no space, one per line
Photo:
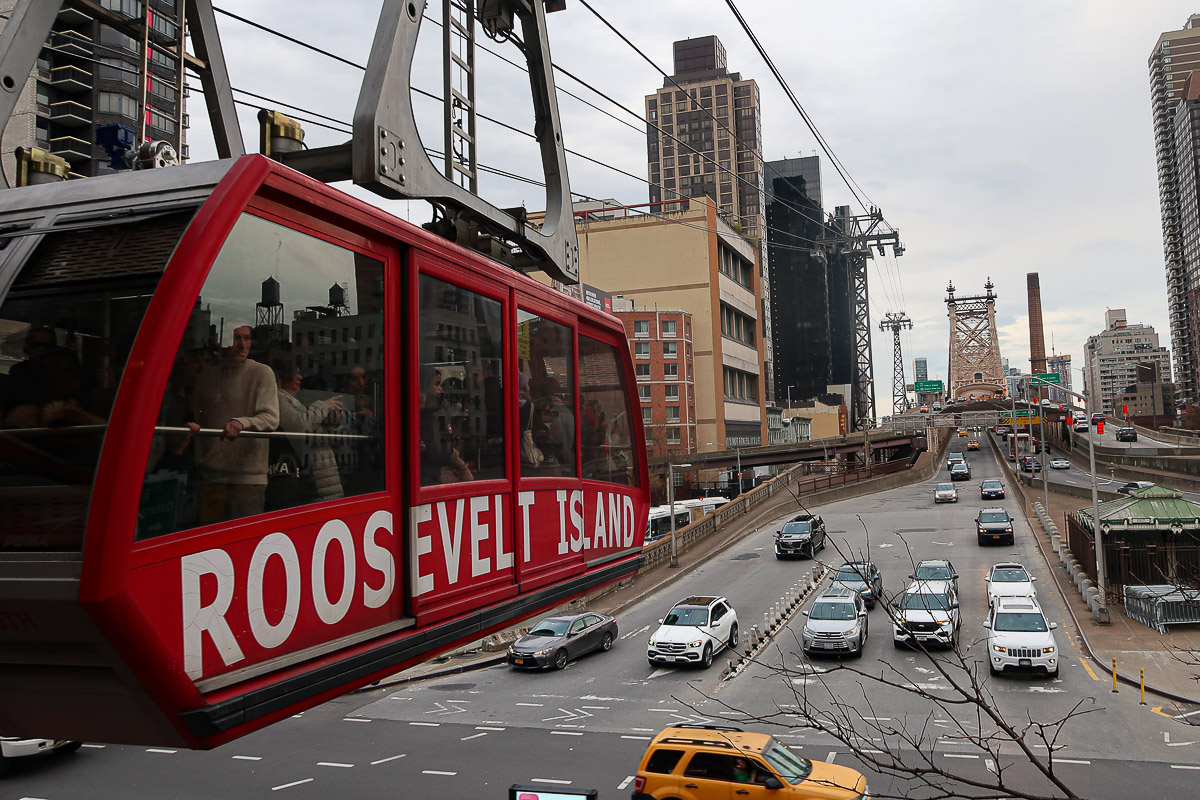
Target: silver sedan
[554,641]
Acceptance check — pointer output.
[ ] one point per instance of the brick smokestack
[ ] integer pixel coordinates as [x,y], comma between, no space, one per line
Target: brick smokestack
[1037,339]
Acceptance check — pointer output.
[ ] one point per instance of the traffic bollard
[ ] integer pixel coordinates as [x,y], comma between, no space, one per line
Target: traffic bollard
[1142,670]
[1114,673]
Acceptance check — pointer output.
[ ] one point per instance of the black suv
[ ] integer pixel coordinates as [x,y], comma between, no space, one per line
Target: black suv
[1126,435]
[802,535]
[994,525]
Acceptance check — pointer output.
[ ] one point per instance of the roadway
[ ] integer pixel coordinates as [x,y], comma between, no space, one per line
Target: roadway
[474,734]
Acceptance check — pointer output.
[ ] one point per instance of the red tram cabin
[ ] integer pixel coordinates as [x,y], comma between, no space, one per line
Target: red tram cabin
[263,443]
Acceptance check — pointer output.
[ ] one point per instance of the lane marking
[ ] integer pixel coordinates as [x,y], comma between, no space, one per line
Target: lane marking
[96,746]
[883,719]
[1184,766]
[667,710]
[438,772]
[530,705]
[355,719]
[832,755]
[342,766]
[631,634]
[625,783]
[487,728]
[567,733]
[389,758]
[1158,710]
[247,758]
[1071,761]
[991,765]
[595,708]
[477,735]
[960,755]
[554,781]
[639,738]
[426,724]
[162,751]
[644,730]
[1089,669]
[290,785]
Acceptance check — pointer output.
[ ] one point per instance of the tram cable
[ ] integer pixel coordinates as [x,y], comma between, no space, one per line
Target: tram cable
[708,159]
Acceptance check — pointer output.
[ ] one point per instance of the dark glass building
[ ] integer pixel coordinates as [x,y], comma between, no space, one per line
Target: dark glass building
[810,290]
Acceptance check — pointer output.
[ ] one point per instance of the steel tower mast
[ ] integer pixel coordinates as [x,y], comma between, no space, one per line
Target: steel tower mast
[896,322]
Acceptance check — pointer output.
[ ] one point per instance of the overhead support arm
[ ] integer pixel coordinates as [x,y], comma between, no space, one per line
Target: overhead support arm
[218,93]
[389,157]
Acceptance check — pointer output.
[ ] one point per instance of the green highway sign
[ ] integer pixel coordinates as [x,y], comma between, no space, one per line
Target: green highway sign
[1050,377]
[923,387]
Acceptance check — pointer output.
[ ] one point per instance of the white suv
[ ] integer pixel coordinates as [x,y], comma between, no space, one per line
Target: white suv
[1019,638]
[927,612]
[694,630]
[1009,580]
[14,747]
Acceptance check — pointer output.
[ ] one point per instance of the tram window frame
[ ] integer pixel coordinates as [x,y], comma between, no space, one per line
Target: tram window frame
[470,280]
[531,304]
[335,231]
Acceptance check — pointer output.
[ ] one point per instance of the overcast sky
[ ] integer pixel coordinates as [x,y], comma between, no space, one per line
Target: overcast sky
[1000,139]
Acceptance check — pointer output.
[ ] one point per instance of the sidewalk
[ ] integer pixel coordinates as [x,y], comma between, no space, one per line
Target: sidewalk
[1134,645]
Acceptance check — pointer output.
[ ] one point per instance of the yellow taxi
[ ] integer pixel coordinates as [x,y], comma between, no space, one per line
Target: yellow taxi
[962,432]
[702,762]
[972,444]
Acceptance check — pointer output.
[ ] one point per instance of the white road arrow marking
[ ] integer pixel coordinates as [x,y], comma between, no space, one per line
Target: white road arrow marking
[441,709]
[578,713]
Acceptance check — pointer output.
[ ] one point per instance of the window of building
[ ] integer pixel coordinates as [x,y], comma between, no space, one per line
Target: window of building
[115,69]
[641,349]
[642,371]
[671,392]
[119,104]
[670,350]
[671,372]
[668,328]
[641,327]
[672,413]
[647,415]
[644,394]
[673,436]
[209,479]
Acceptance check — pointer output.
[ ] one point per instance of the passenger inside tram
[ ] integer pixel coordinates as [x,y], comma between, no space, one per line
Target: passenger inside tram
[303,468]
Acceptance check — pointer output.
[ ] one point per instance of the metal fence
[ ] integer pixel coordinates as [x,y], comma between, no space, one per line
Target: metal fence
[1160,606]
[1141,559]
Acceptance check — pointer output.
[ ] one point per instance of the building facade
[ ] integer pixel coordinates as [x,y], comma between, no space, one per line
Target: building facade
[1061,366]
[1176,119]
[705,140]
[702,267]
[810,293]
[920,369]
[1111,359]
[661,344]
[91,73]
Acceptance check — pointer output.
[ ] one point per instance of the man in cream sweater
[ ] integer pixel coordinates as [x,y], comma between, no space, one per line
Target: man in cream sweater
[236,395]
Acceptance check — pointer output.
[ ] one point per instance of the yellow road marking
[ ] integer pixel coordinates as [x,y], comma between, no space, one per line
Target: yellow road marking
[1158,710]
[1089,669]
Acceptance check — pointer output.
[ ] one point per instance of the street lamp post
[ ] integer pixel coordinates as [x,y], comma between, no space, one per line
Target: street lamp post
[1101,576]
[671,500]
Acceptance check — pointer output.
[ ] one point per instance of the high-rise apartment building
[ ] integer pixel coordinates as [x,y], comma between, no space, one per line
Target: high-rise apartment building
[1111,359]
[920,369]
[91,73]
[710,145]
[1175,99]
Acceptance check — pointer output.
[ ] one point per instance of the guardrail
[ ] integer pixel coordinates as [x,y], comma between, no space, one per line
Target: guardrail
[793,480]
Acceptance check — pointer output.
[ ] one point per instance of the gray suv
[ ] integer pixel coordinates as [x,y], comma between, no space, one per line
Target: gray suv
[837,623]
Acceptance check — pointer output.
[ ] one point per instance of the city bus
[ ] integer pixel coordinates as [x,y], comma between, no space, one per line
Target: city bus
[264,443]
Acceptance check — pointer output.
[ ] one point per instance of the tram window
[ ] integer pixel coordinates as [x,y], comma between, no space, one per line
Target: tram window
[66,329]
[462,385]
[604,404]
[547,396]
[304,430]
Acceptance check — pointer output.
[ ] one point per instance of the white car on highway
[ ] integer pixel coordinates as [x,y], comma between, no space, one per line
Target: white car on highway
[694,630]
[15,747]
[1009,580]
[1019,638]
[1059,463]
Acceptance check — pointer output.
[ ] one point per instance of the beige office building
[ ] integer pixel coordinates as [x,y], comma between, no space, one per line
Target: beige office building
[705,268]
